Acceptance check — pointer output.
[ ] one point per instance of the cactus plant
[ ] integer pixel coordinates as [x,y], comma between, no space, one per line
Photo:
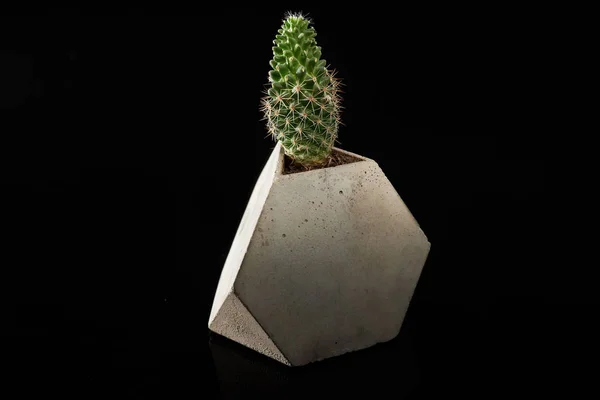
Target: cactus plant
[362,252]
[302,104]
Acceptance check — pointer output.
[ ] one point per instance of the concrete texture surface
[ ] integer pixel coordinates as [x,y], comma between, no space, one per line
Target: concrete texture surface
[324,262]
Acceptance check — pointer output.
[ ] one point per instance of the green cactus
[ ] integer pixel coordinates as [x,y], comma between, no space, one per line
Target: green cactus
[302,105]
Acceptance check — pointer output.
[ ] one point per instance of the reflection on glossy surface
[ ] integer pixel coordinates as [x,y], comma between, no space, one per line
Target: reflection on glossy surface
[385,368]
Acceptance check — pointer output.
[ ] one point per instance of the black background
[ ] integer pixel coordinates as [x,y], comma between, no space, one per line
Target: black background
[131,141]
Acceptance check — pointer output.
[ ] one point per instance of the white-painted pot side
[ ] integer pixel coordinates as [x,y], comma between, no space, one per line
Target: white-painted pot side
[324,262]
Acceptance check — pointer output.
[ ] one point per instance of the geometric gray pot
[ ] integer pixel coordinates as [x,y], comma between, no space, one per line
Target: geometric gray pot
[324,262]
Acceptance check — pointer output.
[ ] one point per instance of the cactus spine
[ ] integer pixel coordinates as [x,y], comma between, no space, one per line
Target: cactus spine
[302,106]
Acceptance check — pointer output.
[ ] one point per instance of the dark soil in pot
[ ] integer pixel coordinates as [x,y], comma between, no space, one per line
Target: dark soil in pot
[335,158]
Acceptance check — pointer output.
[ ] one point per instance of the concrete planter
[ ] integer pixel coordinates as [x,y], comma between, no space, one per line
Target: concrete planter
[324,262]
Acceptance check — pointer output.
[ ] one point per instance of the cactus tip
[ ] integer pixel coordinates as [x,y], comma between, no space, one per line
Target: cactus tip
[296,14]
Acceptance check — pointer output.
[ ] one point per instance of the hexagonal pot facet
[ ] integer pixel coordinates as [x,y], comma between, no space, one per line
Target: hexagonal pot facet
[324,262]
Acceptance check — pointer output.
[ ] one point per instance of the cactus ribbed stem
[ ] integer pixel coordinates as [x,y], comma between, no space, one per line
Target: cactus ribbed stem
[302,106]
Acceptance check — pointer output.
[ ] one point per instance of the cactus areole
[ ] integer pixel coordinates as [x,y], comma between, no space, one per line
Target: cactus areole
[302,105]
